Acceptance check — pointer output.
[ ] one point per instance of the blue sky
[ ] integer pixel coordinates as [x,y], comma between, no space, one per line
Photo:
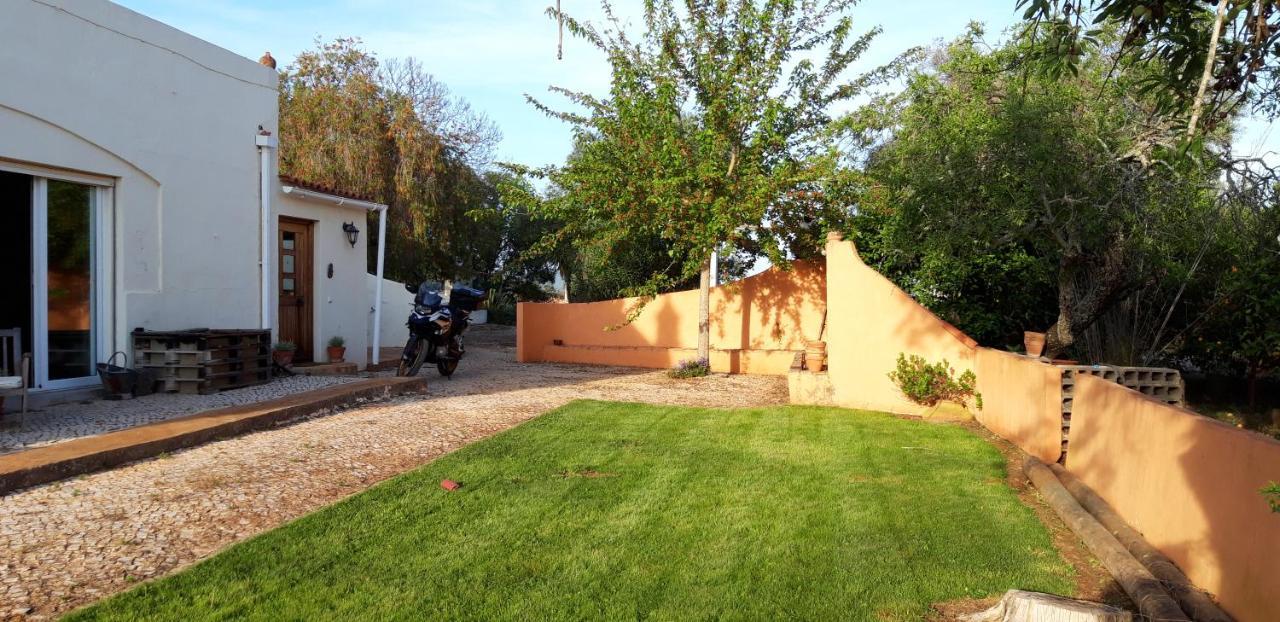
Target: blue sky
[492,52]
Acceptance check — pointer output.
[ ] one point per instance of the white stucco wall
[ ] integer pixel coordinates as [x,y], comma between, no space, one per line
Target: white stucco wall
[397,302]
[341,303]
[91,86]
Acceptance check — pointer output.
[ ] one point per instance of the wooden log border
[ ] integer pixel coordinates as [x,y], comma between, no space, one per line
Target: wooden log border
[1143,588]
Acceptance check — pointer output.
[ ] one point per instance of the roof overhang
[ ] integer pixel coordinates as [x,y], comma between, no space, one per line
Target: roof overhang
[331,199]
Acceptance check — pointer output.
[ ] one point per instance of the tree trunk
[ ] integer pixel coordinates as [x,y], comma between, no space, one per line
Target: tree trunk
[1253,386]
[704,313]
[1208,69]
[1059,336]
[1087,288]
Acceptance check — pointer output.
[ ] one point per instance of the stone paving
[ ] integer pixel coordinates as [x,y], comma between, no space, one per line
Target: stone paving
[68,544]
[67,421]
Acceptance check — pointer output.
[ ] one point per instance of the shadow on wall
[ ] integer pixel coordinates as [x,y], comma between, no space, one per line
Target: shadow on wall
[1190,485]
[757,325]
[775,310]
[1022,401]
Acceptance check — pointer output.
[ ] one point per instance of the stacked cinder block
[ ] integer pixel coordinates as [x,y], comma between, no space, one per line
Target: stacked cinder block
[203,361]
[1158,382]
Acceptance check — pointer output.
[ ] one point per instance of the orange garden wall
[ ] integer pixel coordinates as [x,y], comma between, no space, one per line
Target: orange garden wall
[757,326]
[871,322]
[1022,401]
[1190,485]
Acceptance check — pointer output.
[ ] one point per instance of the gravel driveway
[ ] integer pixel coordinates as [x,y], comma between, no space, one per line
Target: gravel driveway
[67,544]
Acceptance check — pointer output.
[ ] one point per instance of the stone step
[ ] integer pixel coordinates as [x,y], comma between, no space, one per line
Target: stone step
[326,369]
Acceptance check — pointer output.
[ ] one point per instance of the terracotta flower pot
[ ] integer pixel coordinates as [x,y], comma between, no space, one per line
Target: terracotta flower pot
[283,358]
[815,355]
[336,354]
[1034,343]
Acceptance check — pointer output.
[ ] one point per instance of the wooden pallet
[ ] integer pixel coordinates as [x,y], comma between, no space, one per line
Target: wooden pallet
[204,361]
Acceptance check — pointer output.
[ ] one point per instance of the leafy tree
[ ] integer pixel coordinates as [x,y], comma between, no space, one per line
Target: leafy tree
[1010,200]
[1215,56]
[1242,328]
[714,115]
[391,130]
[525,267]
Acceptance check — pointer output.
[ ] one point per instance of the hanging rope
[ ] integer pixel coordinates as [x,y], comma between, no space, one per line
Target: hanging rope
[560,42]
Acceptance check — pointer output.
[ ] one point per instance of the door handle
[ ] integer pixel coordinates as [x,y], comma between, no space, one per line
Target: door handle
[298,302]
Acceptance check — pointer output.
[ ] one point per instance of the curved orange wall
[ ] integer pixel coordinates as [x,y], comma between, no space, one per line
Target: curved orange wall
[872,321]
[757,325]
[1190,485]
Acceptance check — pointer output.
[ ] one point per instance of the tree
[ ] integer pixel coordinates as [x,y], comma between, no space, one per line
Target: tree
[1215,56]
[1000,195]
[1243,329]
[525,266]
[715,114]
[392,131]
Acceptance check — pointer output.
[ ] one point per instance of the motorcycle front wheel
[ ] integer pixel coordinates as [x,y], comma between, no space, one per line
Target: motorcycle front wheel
[411,368]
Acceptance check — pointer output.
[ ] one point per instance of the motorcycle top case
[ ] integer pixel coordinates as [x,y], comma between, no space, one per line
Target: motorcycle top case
[466,298]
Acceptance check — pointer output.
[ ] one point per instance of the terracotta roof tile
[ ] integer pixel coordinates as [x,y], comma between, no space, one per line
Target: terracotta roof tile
[290,180]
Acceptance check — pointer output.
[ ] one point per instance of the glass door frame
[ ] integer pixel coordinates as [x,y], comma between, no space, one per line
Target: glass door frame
[101,199]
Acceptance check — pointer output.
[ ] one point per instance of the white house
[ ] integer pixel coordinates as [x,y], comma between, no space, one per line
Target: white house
[139,188]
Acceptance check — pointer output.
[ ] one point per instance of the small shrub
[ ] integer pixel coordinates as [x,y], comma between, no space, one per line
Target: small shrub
[337,341]
[692,368]
[285,346]
[1272,494]
[929,383]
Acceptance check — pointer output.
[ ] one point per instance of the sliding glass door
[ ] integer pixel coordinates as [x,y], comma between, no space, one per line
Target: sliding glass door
[65,270]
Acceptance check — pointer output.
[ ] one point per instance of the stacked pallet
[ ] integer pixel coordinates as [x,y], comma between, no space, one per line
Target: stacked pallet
[1160,383]
[204,361]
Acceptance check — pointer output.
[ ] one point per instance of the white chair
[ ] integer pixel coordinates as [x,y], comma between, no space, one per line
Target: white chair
[15,368]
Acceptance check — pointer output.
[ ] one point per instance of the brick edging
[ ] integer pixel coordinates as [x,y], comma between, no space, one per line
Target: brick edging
[51,463]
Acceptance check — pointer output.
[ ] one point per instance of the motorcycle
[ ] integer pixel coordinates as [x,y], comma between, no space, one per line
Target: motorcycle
[436,326]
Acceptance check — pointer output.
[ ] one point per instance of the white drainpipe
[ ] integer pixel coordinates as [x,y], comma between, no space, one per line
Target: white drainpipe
[377,288]
[266,143]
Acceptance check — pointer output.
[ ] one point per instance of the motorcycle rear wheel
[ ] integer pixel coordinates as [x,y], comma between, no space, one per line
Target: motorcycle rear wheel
[411,368]
[447,368]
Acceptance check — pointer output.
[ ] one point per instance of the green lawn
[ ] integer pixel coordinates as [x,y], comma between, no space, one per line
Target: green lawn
[603,510]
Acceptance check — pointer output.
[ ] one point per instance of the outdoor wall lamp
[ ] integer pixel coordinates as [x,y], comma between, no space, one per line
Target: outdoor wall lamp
[353,234]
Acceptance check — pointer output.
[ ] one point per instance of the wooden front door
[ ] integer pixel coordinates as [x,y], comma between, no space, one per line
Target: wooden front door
[294,286]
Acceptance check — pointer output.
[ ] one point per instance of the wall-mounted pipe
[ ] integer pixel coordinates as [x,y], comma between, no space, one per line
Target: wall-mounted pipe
[377,288]
[266,144]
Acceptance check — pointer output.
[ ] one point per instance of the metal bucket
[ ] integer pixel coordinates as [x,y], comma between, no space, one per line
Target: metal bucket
[119,382]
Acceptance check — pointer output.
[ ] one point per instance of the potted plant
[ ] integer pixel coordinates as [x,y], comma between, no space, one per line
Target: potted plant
[282,353]
[337,349]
